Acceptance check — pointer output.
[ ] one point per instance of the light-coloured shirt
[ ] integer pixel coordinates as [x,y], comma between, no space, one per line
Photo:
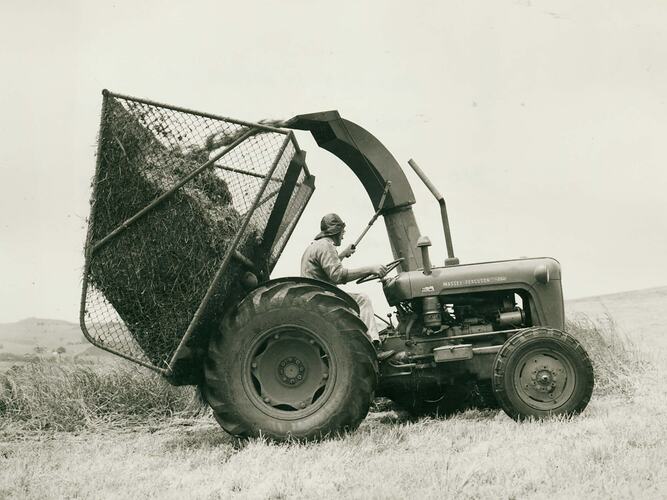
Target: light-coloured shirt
[320,261]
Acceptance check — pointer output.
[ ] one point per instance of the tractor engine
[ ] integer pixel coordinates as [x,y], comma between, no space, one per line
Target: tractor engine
[453,320]
[445,343]
[460,315]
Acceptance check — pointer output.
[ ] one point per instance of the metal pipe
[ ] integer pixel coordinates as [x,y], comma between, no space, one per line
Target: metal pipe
[489,349]
[374,218]
[469,336]
[400,374]
[268,197]
[426,261]
[402,365]
[252,174]
[246,172]
[267,128]
[423,243]
[443,211]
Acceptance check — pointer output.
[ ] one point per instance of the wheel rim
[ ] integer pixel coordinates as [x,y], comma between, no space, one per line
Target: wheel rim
[544,379]
[289,373]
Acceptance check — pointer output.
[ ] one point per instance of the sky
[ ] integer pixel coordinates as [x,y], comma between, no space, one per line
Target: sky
[541,122]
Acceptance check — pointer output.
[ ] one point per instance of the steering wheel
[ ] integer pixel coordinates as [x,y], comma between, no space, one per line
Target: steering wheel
[390,267]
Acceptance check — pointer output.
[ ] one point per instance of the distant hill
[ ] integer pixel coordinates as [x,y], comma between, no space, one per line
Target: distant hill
[24,336]
[638,313]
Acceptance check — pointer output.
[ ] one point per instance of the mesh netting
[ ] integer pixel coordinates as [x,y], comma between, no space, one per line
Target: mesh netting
[145,282]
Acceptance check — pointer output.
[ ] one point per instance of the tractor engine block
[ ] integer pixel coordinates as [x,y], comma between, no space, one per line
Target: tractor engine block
[453,316]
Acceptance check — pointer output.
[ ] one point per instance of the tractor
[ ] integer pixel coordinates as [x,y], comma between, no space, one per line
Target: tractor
[288,357]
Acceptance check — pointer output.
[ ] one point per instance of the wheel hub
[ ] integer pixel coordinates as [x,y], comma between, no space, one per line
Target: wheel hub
[288,374]
[292,371]
[544,379]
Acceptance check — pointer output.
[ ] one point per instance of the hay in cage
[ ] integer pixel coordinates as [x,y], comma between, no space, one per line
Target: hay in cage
[157,271]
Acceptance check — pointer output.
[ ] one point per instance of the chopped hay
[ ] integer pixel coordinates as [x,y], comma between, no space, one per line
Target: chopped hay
[157,271]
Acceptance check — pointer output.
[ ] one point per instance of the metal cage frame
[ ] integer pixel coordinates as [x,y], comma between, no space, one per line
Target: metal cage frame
[276,233]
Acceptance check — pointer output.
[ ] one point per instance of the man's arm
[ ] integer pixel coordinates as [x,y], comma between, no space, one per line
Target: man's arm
[338,274]
[362,272]
[349,250]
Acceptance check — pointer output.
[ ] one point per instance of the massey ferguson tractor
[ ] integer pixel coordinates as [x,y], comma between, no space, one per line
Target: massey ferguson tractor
[189,215]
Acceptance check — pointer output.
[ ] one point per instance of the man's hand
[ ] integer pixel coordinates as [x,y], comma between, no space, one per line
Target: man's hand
[379,270]
[347,252]
[362,272]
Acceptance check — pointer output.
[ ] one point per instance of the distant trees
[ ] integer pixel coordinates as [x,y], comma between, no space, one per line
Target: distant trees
[39,351]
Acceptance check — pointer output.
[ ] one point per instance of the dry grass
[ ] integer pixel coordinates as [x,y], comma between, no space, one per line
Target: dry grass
[612,450]
[617,360]
[51,396]
[616,448]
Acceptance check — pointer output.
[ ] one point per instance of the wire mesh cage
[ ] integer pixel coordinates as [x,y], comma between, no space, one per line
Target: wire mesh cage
[184,204]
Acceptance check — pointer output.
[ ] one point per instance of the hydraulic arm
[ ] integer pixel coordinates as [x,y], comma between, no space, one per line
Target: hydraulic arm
[374,166]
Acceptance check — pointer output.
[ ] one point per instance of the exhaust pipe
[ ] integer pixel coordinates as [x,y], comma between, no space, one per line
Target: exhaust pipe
[451,260]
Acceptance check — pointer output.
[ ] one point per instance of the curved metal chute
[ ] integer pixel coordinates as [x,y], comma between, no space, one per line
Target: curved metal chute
[373,165]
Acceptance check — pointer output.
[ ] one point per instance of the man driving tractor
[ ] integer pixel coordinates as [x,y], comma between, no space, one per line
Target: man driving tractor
[322,262]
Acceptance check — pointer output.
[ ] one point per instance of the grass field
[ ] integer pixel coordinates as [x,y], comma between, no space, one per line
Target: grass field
[95,444]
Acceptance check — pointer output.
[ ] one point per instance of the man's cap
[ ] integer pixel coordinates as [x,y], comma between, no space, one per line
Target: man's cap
[330,225]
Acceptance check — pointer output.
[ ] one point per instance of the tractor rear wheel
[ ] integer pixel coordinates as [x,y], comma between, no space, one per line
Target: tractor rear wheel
[292,361]
[540,372]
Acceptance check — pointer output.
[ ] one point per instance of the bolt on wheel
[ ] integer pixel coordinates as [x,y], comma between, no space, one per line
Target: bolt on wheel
[289,374]
[544,379]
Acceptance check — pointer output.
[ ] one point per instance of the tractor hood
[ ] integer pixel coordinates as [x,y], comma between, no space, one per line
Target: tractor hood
[540,274]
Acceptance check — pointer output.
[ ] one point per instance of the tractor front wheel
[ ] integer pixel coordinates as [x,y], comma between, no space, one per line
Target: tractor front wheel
[291,362]
[540,372]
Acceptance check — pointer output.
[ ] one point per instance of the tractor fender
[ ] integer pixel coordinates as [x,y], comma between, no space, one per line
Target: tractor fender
[323,284]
